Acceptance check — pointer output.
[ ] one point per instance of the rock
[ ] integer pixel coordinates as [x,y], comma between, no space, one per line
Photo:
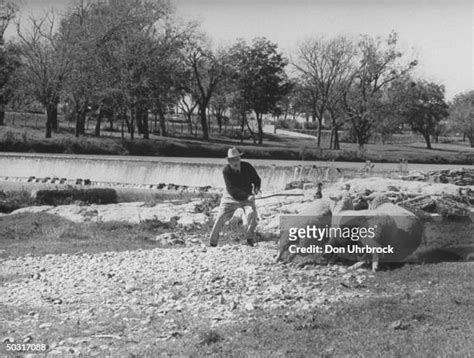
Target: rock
[130,287]
[8,340]
[166,238]
[248,306]
[27,339]
[398,325]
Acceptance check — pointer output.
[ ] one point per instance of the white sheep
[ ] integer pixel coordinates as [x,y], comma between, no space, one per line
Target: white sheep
[392,225]
[316,213]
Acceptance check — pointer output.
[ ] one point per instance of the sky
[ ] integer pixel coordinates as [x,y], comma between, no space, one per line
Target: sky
[439,33]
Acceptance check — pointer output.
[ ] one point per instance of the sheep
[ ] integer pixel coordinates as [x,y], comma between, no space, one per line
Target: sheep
[316,213]
[393,226]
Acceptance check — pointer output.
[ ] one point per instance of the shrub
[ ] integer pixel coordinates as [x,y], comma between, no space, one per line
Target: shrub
[64,197]
[289,124]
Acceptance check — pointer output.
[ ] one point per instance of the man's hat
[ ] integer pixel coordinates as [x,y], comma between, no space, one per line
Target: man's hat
[233,153]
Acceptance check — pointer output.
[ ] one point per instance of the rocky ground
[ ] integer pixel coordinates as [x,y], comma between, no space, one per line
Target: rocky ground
[138,298]
[190,212]
[222,285]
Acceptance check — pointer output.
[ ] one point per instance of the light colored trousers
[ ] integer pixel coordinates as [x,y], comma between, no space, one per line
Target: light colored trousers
[227,208]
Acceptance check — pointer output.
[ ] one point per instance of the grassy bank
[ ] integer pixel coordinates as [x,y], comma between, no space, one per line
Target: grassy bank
[14,139]
[420,311]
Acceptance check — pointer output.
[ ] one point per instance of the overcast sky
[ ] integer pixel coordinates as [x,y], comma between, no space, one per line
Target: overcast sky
[439,32]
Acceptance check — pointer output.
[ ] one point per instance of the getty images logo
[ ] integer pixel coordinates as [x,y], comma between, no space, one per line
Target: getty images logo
[318,233]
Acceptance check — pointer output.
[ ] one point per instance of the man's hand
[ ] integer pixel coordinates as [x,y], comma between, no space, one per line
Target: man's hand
[251,198]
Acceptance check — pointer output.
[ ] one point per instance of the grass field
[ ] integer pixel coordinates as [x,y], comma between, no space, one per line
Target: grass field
[412,311]
[26,138]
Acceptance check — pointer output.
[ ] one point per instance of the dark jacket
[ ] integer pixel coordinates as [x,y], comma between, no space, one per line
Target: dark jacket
[239,184]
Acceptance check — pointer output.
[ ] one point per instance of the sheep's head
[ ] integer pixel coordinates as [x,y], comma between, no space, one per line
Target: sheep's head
[340,203]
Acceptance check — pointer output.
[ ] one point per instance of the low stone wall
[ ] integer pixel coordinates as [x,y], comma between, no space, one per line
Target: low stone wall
[195,172]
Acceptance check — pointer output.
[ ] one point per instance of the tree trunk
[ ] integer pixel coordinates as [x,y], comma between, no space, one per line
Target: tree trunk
[251,132]
[190,123]
[471,140]
[138,119]
[98,123]
[49,119]
[144,118]
[427,140]
[242,128]
[122,114]
[80,119]
[132,124]
[205,129]
[209,122]
[320,124]
[219,121]
[2,110]
[126,119]
[161,115]
[336,144]
[54,119]
[260,128]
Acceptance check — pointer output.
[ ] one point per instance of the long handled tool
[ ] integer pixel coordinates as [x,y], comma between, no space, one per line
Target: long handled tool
[277,194]
[272,195]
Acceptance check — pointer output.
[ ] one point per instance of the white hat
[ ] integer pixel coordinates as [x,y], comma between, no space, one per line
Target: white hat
[233,153]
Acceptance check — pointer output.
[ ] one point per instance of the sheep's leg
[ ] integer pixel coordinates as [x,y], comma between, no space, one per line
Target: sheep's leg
[357,265]
[365,259]
[375,262]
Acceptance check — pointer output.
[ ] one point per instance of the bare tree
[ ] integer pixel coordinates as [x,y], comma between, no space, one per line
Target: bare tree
[208,71]
[45,63]
[324,67]
[7,13]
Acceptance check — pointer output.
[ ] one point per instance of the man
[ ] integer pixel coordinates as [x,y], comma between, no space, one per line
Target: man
[242,183]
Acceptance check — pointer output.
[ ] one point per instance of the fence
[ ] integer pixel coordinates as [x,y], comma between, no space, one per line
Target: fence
[408,138]
[181,128]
